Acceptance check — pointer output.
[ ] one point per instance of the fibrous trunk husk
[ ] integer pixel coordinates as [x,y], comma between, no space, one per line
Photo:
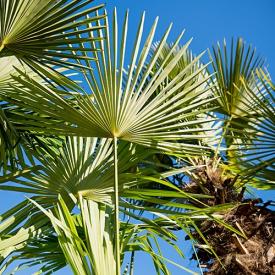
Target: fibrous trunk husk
[252,255]
[237,255]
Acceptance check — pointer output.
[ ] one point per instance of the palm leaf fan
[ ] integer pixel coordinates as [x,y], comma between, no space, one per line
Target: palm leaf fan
[125,109]
[81,166]
[40,30]
[232,64]
[255,158]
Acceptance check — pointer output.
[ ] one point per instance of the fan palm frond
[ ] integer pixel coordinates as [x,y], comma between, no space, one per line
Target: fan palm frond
[128,109]
[41,30]
[231,66]
[82,166]
[256,156]
[84,241]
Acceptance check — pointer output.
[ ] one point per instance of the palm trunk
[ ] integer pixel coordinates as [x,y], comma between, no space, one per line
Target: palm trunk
[253,254]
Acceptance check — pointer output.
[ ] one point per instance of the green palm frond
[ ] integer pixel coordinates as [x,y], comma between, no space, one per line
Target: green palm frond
[82,166]
[126,109]
[256,156]
[9,138]
[18,225]
[13,142]
[40,30]
[94,257]
[82,241]
[8,142]
[230,67]
[185,63]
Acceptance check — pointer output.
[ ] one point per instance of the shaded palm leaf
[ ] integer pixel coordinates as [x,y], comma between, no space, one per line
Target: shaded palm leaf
[256,157]
[9,138]
[231,66]
[14,142]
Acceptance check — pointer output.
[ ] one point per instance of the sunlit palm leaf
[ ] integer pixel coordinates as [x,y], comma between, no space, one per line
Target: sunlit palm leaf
[85,239]
[40,30]
[83,165]
[185,63]
[19,225]
[232,65]
[127,109]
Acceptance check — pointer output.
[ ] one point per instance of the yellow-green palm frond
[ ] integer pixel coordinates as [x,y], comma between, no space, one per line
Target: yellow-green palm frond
[81,166]
[123,103]
[255,157]
[231,66]
[40,30]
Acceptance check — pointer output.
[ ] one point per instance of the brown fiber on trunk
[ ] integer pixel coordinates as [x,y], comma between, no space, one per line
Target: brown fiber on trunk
[238,255]
[252,255]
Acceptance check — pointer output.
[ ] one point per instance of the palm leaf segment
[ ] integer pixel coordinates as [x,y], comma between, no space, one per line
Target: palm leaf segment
[124,105]
[82,166]
[40,30]
[245,95]
[256,157]
[231,67]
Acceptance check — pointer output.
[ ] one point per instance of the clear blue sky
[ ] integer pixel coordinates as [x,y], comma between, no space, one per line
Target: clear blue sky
[207,21]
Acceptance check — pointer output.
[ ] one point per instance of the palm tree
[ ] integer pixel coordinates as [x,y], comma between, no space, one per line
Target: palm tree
[87,151]
[121,106]
[243,156]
